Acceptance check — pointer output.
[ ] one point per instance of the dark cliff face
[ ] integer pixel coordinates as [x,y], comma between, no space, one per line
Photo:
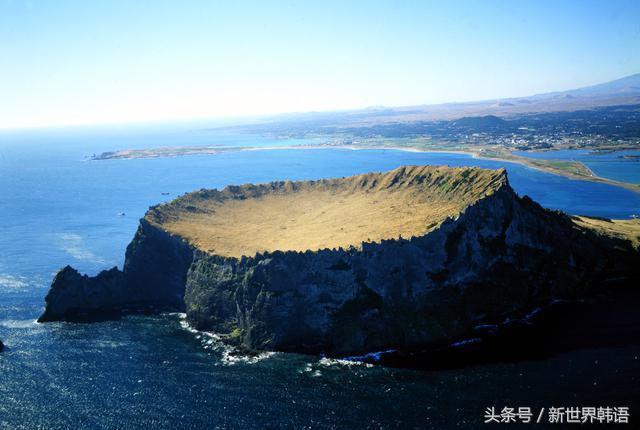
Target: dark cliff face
[155,266]
[74,296]
[153,277]
[503,254]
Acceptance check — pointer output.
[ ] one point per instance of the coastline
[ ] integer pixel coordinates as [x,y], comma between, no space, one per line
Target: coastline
[524,161]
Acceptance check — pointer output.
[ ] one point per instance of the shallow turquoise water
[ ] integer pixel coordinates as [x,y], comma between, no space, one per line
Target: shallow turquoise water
[152,372]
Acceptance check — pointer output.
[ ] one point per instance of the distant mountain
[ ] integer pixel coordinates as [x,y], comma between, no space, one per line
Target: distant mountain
[479,121]
[620,92]
[628,86]
[624,91]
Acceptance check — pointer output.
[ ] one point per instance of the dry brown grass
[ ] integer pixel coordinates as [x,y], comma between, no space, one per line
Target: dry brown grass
[627,229]
[311,215]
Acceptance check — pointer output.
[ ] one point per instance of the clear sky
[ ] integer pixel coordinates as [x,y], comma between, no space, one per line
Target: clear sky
[82,62]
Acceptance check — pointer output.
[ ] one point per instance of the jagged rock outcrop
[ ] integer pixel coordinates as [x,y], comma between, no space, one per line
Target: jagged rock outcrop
[471,252]
[75,296]
[153,277]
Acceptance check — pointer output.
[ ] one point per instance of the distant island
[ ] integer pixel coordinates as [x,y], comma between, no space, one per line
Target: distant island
[165,151]
[416,258]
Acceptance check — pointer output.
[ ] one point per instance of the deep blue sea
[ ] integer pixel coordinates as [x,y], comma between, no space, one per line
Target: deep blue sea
[153,372]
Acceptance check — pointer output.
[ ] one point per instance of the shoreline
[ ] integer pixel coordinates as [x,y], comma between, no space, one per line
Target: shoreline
[516,159]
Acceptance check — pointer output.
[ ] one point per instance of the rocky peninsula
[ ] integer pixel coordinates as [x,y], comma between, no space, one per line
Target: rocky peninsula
[417,256]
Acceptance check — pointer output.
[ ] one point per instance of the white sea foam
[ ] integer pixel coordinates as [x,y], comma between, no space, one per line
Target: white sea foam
[229,355]
[10,282]
[311,371]
[104,344]
[314,369]
[307,368]
[185,325]
[73,244]
[331,362]
[18,323]
[180,315]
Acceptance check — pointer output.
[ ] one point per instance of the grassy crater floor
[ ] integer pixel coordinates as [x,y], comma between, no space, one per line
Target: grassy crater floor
[311,215]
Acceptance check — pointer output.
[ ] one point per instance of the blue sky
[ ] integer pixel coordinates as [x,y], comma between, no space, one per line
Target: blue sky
[83,62]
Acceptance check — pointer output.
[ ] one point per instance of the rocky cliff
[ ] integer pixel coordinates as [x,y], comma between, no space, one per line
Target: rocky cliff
[433,253]
[153,278]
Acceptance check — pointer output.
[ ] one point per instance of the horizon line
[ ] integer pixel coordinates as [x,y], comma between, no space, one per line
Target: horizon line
[258,116]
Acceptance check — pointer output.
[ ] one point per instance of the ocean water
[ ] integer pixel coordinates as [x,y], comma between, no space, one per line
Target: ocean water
[56,208]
